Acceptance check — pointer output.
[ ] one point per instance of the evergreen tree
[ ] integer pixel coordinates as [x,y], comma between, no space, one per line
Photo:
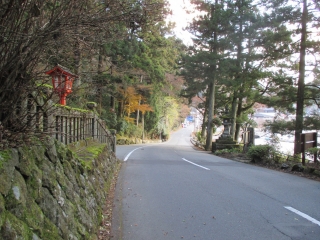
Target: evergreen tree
[109,44]
[239,58]
[200,66]
[302,17]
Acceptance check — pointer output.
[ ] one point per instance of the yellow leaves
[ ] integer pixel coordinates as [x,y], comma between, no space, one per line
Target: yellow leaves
[145,108]
[133,102]
[129,119]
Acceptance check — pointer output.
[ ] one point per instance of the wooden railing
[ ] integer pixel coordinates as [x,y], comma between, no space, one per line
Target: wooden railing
[73,126]
[65,124]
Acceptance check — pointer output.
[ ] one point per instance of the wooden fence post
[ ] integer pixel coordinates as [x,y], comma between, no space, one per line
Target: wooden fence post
[75,126]
[308,140]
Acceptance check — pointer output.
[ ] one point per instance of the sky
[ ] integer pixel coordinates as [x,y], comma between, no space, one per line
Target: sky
[181,18]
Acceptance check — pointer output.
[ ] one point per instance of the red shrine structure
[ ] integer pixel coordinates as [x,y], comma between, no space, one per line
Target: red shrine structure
[62,80]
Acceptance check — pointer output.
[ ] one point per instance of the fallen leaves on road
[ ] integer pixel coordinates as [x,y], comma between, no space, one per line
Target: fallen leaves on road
[105,228]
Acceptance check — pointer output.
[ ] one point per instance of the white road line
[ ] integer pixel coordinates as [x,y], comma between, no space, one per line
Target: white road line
[195,164]
[303,215]
[126,158]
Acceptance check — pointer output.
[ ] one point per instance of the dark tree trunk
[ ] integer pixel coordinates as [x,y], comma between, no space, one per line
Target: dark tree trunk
[238,126]
[233,114]
[300,93]
[210,115]
[211,88]
[204,120]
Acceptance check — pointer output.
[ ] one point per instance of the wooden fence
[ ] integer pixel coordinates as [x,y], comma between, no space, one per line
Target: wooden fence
[72,126]
[65,124]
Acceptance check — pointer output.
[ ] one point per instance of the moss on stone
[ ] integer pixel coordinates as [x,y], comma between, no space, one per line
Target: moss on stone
[34,184]
[100,215]
[50,231]
[34,216]
[49,175]
[10,161]
[14,228]
[30,214]
[68,108]
[60,176]
[17,196]
[55,195]
[96,149]
[86,164]
[4,157]
[27,160]
[2,210]
[61,150]
[88,154]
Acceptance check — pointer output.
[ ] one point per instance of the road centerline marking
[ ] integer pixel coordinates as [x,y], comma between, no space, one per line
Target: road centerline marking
[126,158]
[195,164]
[311,219]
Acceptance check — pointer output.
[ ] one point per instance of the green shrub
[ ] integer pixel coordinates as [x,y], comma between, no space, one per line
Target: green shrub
[122,125]
[133,131]
[199,137]
[260,152]
[312,151]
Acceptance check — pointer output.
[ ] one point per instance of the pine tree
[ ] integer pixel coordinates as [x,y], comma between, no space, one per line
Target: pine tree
[237,55]
[302,17]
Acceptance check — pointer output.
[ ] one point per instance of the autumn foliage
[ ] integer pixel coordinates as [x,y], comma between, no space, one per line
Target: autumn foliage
[133,102]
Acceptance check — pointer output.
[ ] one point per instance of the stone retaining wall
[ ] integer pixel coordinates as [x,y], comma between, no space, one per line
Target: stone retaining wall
[46,192]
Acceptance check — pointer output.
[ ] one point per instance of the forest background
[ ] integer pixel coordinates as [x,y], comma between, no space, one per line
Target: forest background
[143,78]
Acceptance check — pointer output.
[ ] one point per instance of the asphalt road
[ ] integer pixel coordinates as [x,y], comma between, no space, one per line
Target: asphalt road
[173,191]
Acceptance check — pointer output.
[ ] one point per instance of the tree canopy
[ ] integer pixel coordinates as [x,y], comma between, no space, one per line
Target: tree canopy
[257,52]
[130,63]
[119,49]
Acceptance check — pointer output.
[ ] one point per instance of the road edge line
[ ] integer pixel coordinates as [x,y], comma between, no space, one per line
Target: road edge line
[126,158]
[195,164]
[301,214]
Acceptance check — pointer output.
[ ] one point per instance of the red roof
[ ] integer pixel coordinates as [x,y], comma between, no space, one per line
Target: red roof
[61,69]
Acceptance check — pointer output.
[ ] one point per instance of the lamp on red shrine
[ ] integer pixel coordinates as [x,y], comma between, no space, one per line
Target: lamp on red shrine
[62,80]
